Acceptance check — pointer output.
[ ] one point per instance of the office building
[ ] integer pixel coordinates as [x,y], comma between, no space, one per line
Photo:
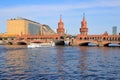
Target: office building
[114,30]
[27,27]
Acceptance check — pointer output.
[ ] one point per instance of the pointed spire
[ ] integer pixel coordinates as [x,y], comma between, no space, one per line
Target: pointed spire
[60,18]
[84,29]
[83,16]
[60,29]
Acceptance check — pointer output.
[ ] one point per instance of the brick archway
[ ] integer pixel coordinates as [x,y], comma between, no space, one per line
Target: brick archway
[59,43]
[10,43]
[108,43]
[21,43]
[84,44]
[87,43]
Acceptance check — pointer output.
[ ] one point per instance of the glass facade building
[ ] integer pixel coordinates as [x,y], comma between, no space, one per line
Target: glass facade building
[33,29]
[114,30]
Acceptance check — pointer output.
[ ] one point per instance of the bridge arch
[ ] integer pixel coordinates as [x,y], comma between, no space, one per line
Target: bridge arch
[84,44]
[10,43]
[88,44]
[21,43]
[108,44]
[61,43]
[119,39]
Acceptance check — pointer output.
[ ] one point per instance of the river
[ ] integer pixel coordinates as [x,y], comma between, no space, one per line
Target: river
[59,63]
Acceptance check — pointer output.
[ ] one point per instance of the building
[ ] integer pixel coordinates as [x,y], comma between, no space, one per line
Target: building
[46,30]
[60,29]
[114,30]
[84,29]
[22,26]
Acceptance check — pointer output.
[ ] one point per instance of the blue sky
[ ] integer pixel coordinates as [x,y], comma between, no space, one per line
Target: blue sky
[101,15]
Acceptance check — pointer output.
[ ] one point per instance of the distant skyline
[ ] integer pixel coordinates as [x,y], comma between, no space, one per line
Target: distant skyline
[101,15]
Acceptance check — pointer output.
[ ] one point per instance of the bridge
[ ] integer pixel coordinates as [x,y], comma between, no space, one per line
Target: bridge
[99,40]
[60,37]
[27,39]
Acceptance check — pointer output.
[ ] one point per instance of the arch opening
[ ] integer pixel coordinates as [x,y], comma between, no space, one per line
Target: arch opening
[92,44]
[56,38]
[10,43]
[62,37]
[60,43]
[84,44]
[112,45]
[0,38]
[87,44]
[106,45]
[21,43]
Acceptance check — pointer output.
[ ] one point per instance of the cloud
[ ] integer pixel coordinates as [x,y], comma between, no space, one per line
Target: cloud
[46,11]
[50,9]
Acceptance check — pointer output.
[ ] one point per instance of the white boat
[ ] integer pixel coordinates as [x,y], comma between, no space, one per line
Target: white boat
[33,45]
[36,45]
[67,43]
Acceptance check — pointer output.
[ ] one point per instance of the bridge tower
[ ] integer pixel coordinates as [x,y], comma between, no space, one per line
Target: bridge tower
[60,29]
[84,29]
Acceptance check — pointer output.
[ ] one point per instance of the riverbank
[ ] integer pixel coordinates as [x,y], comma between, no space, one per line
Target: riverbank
[15,46]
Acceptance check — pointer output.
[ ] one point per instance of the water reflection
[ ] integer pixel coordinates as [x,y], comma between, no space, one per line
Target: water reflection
[60,63]
[110,62]
[60,59]
[16,63]
[99,63]
[83,60]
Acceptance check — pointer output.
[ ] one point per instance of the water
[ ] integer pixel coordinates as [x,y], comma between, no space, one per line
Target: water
[60,63]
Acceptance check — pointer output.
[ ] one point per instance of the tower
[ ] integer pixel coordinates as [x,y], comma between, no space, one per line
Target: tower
[60,29]
[83,29]
[114,30]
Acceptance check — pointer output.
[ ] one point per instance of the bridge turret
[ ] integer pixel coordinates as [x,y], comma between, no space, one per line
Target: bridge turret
[84,29]
[61,29]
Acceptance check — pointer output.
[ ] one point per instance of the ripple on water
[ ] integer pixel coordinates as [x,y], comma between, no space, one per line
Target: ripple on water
[59,63]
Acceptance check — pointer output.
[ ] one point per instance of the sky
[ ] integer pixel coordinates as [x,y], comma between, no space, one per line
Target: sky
[101,15]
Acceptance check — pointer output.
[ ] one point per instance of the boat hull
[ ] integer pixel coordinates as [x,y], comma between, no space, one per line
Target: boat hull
[36,45]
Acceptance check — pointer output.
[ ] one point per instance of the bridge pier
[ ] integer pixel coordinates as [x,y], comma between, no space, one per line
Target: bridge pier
[1,42]
[100,44]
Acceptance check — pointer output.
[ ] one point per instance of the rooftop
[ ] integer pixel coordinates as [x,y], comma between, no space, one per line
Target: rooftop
[20,18]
